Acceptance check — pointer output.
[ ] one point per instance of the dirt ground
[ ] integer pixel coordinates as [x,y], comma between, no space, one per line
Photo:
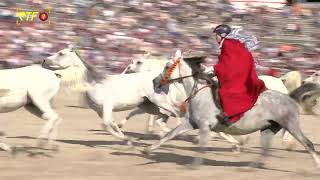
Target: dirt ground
[86,152]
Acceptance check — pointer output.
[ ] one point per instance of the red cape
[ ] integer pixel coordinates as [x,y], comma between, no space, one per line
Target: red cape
[239,82]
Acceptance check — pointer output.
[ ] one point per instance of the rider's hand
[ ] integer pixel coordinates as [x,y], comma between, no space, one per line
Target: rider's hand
[210,71]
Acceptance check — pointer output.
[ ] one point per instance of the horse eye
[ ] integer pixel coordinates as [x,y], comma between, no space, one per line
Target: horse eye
[316,74]
[139,62]
[60,53]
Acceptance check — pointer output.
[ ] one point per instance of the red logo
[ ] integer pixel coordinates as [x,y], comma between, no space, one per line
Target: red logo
[43,16]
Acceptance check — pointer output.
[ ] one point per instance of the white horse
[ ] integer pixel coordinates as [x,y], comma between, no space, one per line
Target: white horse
[314,78]
[27,86]
[272,111]
[109,93]
[292,80]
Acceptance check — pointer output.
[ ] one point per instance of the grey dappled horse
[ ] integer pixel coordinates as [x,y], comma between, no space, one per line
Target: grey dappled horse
[272,112]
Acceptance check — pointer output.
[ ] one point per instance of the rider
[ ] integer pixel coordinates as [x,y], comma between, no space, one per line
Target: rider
[238,79]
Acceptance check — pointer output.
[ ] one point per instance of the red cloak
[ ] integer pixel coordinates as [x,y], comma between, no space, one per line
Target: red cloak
[239,82]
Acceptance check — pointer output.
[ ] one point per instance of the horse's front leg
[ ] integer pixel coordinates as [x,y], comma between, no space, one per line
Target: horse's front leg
[235,144]
[150,124]
[161,122]
[129,116]
[109,125]
[204,136]
[182,128]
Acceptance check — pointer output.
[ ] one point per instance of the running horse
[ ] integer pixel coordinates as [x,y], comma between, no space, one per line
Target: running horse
[272,112]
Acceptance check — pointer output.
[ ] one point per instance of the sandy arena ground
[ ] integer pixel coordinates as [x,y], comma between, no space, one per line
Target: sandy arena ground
[86,152]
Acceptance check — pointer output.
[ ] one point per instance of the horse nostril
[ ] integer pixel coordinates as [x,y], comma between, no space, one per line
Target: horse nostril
[43,62]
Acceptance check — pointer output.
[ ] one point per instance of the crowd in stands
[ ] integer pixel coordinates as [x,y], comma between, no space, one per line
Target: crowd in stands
[110,32]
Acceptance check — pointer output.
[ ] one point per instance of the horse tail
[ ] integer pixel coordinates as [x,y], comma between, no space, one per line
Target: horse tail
[306,96]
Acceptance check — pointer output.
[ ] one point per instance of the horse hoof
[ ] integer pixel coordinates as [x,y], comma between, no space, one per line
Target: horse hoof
[161,134]
[256,164]
[42,142]
[149,131]
[55,148]
[195,140]
[197,162]
[147,151]
[14,151]
[244,140]
[236,149]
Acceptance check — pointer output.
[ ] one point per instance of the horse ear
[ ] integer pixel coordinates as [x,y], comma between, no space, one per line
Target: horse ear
[147,54]
[178,54]
[71,48]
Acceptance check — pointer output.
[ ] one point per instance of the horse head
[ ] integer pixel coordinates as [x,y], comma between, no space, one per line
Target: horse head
[63,59]
[179,68]
[146,63]
[314,78]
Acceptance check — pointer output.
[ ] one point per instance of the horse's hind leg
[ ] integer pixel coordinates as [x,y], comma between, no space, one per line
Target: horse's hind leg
[49,114]
[4,146]
[288,140]
[296,132]
[266,140]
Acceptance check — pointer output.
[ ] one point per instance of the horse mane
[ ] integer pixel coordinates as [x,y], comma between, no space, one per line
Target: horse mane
[91,70]
[76,77]
[73,77]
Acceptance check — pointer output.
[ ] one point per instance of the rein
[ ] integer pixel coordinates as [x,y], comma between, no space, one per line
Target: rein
[165,80]
[183,106]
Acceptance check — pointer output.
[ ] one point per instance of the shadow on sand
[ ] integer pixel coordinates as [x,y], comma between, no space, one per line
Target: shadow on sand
[162,157]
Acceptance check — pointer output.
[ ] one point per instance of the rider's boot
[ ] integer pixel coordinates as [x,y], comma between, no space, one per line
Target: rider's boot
[223,119]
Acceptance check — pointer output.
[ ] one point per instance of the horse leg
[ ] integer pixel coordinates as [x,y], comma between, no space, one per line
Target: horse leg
[204,135]
[129,116]
[161,122]
[296,132]
[109,125]
[266,140]
[288,140]
[182,128]
[53,135]
[43,104]
[178,121]
[4,146]
[150,124]
[235,143]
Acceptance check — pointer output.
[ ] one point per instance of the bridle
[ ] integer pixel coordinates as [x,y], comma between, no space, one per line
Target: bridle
[166,80]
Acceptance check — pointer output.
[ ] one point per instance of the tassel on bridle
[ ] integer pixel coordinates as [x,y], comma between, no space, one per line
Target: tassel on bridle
[169,72]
